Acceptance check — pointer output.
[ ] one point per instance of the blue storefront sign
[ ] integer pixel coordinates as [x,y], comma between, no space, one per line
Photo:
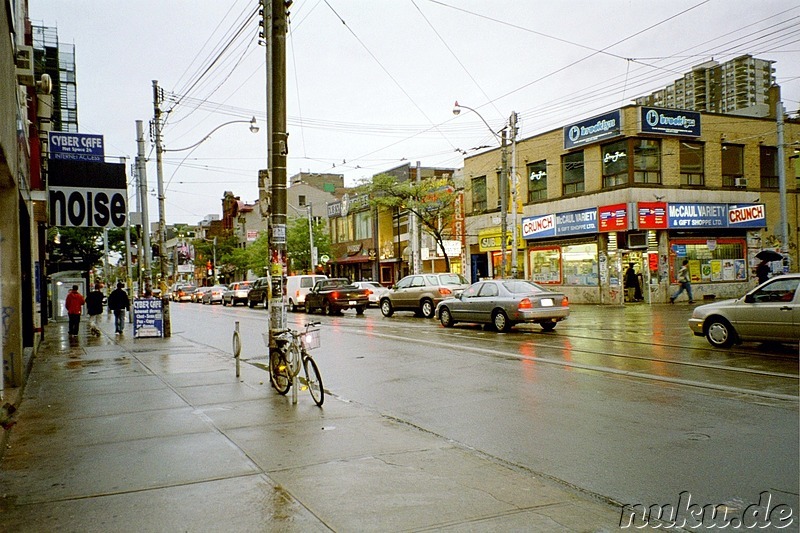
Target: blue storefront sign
[148,318]
[695,216]
[670,121]
[593,130]
[577,222]
[75,146]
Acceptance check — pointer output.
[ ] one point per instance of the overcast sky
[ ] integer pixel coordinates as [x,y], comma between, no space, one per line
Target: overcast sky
[371,83]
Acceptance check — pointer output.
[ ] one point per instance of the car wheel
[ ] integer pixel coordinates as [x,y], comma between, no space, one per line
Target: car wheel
[265,302]
[720,333]
[360,309]
[446,318]
[427,309]
[500,321]
[223,303]
[386,307]
[251,304]
[548,326]
[326,309]
[292,306]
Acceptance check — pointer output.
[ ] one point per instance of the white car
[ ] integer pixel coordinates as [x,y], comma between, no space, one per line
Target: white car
[376,291]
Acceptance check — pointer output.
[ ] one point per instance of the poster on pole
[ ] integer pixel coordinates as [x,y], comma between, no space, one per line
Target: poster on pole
[148,318]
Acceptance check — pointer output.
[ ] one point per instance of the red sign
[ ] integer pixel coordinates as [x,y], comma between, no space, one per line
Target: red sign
[652,215]
[613,217]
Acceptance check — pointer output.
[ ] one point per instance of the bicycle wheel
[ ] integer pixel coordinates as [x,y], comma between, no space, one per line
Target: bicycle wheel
[279,372]
[314,380]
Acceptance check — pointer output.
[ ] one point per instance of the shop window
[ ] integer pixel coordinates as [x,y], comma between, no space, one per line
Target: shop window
[692,164]
[572,180]
[769,167]
[710,260]
[646,161]
[343,230]
[537,181]
[545,265]
[479,194]
[579,264]
[615,164]
[732,164]
[363,225]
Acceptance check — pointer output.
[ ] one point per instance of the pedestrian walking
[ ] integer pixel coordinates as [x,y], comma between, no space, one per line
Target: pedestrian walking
[94,307]
[685,281]
[119,302]
[632,286]
[762,271]
[74,304]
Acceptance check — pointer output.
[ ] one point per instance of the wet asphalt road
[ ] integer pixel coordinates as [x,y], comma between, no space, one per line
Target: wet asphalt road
[622,402]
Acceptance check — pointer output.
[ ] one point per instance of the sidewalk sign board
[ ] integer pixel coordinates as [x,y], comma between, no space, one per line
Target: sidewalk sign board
[148,318]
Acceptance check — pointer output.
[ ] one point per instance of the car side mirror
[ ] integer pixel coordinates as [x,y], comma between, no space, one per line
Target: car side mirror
[749,298]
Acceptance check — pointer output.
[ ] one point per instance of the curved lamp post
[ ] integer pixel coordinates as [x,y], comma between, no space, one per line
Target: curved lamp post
[502,137]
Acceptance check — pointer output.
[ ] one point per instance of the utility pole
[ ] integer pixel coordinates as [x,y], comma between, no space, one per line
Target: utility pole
[504,203]
[141,172]
[162,225]
[784,228]
[514,193]
[275,26]
[416,241]
[312,252]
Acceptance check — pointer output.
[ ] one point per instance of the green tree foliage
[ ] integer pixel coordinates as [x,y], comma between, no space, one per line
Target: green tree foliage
[77,248]
[297,244]
[433,200]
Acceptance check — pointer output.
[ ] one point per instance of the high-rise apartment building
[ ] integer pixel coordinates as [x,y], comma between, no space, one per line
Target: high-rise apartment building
[740,86]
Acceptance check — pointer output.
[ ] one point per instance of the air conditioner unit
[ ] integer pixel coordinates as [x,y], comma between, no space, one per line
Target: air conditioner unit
[637,240]
[24,61]
[740,182]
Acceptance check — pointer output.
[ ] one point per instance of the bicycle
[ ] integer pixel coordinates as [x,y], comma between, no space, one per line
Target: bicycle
[285,362]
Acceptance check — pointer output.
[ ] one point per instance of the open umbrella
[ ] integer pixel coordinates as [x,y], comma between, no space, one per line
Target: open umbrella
[769,255]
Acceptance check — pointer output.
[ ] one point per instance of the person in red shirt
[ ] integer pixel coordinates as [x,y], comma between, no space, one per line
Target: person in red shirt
[74,305]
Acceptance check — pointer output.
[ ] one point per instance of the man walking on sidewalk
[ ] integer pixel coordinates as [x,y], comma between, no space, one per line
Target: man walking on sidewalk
[74,304]
[94,306]
[118,302]
[686,283]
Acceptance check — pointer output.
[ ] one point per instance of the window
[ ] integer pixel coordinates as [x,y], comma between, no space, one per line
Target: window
[732,164]
[363,225]
[615,164]
[579,264]
[301,200]
[692,164]
[343,230]
[537,181]
[489,289]
[572,181]
[479,194]
[769,167]
[724,261]
[545,265]
[646,161]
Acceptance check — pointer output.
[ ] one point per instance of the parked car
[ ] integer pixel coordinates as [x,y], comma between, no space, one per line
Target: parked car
[298,286]
[421,293]
[214,294]
[259,292]
[333,295]
[504,303]
[770,312]
[182,293]
[236,293]
[376,291]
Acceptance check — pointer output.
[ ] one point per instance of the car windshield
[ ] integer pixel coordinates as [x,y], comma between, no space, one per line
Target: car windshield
[452,279]
[187,288]
[522,286]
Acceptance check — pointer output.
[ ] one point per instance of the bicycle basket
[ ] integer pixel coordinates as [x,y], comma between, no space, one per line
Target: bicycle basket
[310,339]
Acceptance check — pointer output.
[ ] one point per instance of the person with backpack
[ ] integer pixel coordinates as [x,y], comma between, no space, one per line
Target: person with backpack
[685,281]
[94,306]
[119,302]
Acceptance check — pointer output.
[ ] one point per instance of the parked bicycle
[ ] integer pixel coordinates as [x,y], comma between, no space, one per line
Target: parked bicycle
[291,355]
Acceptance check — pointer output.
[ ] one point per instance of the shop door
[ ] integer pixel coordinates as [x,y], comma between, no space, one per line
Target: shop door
[633,283]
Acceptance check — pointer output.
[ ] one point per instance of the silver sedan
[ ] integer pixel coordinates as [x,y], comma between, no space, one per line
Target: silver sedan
[770,312]
[503,303]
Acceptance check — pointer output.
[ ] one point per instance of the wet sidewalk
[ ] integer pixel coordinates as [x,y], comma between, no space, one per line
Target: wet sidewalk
[117,434]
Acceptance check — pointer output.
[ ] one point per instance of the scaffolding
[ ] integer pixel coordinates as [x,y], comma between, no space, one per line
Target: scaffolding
[58,61]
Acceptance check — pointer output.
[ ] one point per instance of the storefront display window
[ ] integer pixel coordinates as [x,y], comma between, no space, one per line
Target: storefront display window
[545,264]
[579,264]
[710,260]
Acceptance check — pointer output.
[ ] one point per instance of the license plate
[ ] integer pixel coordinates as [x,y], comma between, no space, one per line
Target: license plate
[353,302]
[547,302]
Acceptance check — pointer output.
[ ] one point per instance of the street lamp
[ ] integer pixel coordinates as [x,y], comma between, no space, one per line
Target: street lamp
[502,137]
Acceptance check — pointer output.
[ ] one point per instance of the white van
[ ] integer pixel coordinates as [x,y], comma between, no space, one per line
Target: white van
[298,286]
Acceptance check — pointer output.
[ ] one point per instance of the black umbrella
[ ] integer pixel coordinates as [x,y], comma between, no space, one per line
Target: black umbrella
[769,255]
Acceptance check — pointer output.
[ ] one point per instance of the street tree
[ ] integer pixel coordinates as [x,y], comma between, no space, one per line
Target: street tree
[432,199]
[298,243]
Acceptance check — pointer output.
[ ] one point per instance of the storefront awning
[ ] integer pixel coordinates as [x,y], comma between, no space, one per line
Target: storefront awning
[345,259]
